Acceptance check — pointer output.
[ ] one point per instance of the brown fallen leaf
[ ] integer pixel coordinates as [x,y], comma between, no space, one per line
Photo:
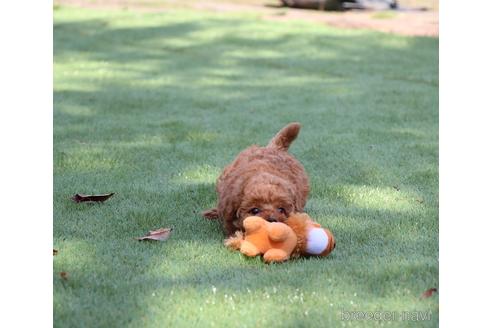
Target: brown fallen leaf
[55,252]
[428,293]
[64,275]
[160,234]
[79,198]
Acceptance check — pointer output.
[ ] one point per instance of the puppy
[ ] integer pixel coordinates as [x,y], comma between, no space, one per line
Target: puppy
[262,181]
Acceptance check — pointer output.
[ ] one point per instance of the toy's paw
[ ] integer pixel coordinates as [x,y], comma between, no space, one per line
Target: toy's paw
[253,223]
[275,255]
[278,232]
[234,242]
[249,249]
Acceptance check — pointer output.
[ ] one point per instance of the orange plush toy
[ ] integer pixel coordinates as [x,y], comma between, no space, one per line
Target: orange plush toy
[278,242]
[312,239]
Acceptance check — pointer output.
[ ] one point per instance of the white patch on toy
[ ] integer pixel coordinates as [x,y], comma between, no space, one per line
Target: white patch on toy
[317,241]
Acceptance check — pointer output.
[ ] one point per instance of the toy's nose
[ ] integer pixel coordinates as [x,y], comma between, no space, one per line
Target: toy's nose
[272,219]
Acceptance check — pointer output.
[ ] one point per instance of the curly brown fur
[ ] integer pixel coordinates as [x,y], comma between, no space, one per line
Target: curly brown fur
[268,179]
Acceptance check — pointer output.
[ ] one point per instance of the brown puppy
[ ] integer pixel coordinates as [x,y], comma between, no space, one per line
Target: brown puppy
[261,181]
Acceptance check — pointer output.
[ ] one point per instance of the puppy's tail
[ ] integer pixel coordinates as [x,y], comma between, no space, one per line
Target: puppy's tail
[284,137]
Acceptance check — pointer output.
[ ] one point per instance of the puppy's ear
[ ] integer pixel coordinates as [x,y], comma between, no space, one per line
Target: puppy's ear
[229,207]
[298,206]
[292,209]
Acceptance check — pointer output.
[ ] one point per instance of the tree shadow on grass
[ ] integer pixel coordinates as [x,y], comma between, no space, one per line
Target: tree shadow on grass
[236,78]
[232,55]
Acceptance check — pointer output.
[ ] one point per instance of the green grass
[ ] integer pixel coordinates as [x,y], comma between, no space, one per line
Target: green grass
[152,106]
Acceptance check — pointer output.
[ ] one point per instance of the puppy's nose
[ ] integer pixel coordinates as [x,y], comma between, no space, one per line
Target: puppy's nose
[272,219]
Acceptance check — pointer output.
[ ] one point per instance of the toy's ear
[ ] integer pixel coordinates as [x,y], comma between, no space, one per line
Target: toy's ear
[253,223]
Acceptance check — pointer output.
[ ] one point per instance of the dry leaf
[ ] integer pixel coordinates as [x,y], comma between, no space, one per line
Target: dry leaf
[79,198]
[64,275]
[428,293]
[160,234]
[55,252]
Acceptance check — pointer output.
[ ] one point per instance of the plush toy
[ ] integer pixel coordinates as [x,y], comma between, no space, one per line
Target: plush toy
[298,236]
[312,239]
[276,241]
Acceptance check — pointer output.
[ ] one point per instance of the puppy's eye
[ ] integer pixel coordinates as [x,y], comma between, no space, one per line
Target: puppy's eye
[281,210]
[254,211]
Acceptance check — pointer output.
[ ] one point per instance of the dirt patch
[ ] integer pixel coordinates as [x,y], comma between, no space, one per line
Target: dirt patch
[405,22]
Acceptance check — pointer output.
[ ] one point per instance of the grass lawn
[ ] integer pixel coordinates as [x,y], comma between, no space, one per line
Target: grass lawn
[151,106]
